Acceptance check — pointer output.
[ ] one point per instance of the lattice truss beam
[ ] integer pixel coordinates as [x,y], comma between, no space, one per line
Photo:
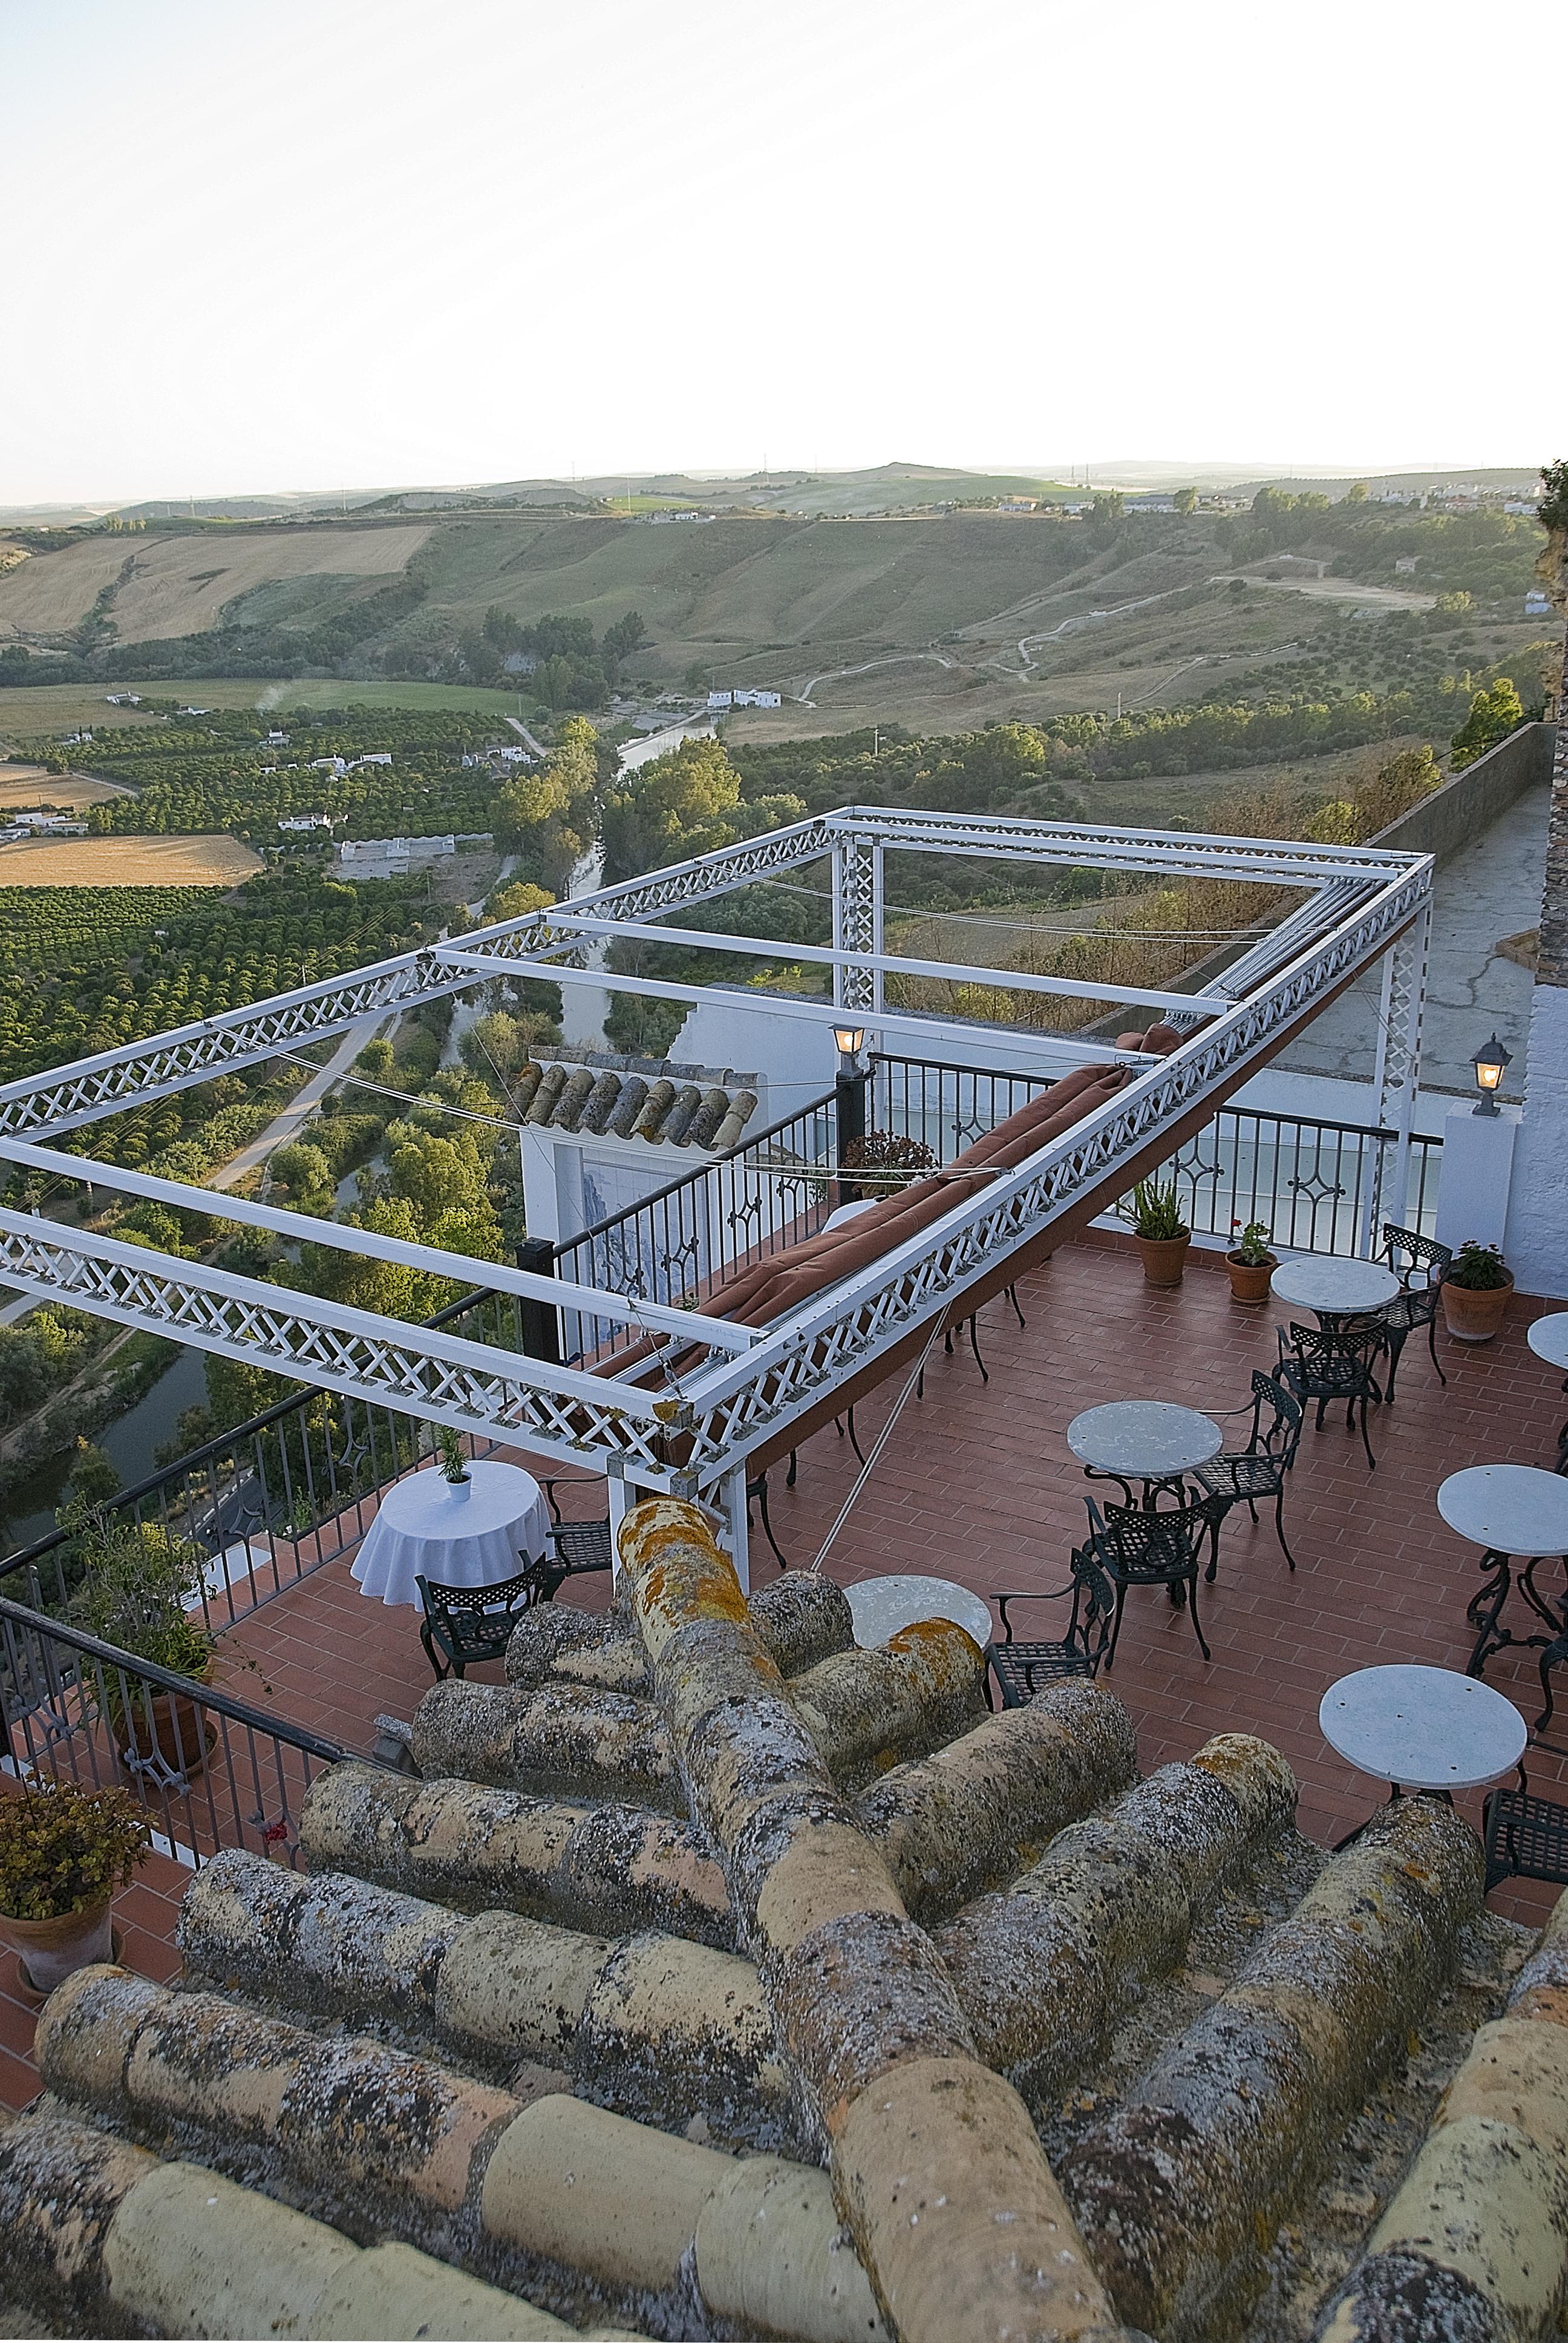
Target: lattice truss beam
[1359,905]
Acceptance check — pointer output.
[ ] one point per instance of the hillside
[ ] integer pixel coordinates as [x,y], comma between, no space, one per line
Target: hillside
[939,617]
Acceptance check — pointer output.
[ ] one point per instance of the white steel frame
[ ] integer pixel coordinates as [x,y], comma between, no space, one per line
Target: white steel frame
[1359,905]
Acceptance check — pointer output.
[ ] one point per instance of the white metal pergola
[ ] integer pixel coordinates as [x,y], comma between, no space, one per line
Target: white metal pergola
[1360,906]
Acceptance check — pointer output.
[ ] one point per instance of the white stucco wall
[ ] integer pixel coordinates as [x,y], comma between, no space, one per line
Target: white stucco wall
[1536,1242]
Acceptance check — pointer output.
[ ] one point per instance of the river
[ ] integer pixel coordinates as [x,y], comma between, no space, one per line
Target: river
[129,1441]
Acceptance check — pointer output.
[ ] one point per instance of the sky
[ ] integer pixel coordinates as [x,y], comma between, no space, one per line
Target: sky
[311,244]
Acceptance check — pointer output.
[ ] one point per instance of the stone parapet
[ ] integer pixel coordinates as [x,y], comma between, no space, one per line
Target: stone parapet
[1044,1968]
[1179,2189]
[609,1869]
[801,1618]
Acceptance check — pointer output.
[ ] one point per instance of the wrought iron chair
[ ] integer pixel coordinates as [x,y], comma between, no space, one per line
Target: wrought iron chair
[576,1546]
[1524,1837]
[1021,1669]
[1135,1547]
[1420,1264]
[470,1624]
[1241,1476]
[1334,1363]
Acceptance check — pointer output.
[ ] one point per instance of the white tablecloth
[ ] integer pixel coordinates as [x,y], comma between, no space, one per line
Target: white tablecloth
[473,1534]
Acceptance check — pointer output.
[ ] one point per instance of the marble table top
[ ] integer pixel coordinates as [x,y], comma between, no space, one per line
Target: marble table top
[1548,1338]
[881,1606]
[1422,1728]
[1143,1439]
[1507,1508]
[1331,1281]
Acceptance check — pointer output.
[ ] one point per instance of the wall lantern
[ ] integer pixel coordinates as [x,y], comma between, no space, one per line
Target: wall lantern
[1490,1065]
[850,1040]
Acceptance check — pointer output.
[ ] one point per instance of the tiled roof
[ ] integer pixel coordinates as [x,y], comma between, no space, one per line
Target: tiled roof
[714,1978]
[707,1112]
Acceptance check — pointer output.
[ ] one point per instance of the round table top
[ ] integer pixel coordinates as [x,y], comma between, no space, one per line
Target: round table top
[881,1606]
[1507,1508]
[428,1506]
[1144,1439]
[1548,1338]
[1331,1281]
[478,1532]
[1422,1728]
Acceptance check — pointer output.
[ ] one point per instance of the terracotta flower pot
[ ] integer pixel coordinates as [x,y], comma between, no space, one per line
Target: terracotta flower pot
[1248,1279]
[1164,1258]
[174,1732]
[1472,1316]
[52,1950]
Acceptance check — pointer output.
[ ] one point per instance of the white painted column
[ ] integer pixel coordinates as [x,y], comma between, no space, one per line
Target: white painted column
[622,1501]
[1536,1243]
[1473,1193]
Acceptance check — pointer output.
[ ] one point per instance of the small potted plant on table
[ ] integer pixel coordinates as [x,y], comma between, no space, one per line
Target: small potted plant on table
[64,1851]
[1250,1264]
[1155,1219]
[1475,1291]
[454,1463]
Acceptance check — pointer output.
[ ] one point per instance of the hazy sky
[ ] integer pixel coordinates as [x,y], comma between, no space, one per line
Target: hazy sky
[266,244]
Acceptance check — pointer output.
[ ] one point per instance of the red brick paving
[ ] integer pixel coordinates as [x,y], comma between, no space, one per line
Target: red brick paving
[976,1484]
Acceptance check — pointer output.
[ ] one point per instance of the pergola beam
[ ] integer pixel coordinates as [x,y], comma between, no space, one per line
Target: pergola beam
[1005,980]
[784,1004]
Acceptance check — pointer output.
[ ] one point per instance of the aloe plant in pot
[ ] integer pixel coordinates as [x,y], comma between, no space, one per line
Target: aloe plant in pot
[1162,1236]
[1476,1286]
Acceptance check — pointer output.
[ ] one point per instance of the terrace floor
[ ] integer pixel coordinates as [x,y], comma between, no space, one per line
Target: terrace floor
[977,1484]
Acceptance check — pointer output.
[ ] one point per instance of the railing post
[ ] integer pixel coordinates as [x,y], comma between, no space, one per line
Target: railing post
[849,1110]
[541,1322]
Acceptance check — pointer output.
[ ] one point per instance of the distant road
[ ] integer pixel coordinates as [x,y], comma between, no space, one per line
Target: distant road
[527,737]
[300,1108]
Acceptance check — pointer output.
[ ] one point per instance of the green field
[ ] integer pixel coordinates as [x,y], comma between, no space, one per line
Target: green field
[33,710]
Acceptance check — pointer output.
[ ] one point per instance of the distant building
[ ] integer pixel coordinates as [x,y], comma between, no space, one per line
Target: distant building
[372,757]
[123,699]
[1537,604]
[757,699]
[1404,565]
[193,711]
[278,739]
[1154,501]
[721,699]
[1520,505]
[44,825]
[519,663]
[1016,503]
[77,740]
[333,765]
[307,821]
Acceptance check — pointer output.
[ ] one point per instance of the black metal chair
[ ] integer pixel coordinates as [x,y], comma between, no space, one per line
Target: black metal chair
[1524,1837]
[1420,1263]
[757,1494]
[1021,1669]
[1140,1547]
[470,1624]
[1334,1363]
[1241,1476]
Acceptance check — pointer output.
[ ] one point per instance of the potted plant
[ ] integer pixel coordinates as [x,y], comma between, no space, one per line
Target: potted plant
[454,1463]
[1250,1264]
[141,1583]
[1155,1219]
[63,1851]
[1475,1290]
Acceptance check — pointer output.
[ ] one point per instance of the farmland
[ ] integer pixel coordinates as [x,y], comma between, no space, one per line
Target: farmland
[174,585]
[22,784]
[117,862]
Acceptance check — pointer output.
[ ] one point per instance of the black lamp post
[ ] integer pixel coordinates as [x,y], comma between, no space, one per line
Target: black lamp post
[1490,1065]
[849,1087]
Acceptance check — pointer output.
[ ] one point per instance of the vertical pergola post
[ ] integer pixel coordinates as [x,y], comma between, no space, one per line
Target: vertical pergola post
[1538,1203]
[857,920]
[1395,1078]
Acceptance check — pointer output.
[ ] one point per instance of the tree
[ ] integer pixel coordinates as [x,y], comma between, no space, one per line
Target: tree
[497,1047]
[518,900]
[626,635]
[1185,501]
[527,799]
[1494,715]
[1108,506]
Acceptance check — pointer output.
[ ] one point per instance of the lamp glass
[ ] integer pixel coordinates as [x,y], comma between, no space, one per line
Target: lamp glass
[850,1038]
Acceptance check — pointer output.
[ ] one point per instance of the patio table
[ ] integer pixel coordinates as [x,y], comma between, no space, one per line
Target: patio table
[1147,1440]
[477,1533]
[1419,1728]
[1548,1338]
[1333,1286]
[1513,1511]
[881,1607]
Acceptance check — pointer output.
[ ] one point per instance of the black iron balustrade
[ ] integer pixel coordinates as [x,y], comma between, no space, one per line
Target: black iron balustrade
[273,1501]
[212,1771]
[767,1192]
[1309,1182]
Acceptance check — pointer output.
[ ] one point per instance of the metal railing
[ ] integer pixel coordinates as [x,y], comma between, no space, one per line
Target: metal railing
[768,1192]
[211,1771]
[1308,1183]
[274,1500]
